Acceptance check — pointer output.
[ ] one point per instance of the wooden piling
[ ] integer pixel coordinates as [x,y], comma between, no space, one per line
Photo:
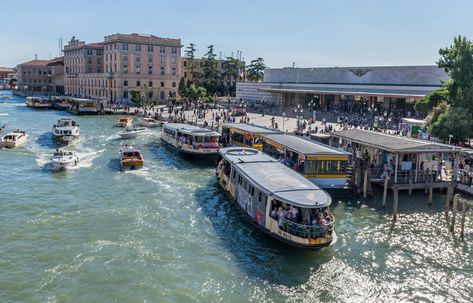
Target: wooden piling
[396,198]
[385,193]
[427,174]
[447,200]
[365,183]
[454,212]
[431,190]
[462,230]
[410,182]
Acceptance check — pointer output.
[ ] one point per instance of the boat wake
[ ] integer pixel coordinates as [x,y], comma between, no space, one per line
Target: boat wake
[4,114]
[86,158]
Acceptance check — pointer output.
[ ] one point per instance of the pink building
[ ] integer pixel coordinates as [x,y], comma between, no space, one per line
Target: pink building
[46,76]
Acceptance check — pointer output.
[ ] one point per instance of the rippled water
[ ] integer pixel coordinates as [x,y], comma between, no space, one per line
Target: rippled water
[168,234]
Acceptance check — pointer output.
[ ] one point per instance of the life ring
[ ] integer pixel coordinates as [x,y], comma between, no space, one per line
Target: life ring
[247,137]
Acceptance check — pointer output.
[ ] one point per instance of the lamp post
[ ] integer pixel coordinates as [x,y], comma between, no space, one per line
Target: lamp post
[283,120]
[298,111]
[311,105]
[263,104]
[450,139]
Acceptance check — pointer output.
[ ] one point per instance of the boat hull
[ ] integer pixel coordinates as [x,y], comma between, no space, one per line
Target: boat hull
[64,165]
[131,164]
[66,140]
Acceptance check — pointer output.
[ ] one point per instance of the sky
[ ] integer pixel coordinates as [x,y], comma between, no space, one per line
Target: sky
[310,33]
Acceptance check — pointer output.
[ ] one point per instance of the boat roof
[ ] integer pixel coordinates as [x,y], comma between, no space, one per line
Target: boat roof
[191,129]
[275,178]
[251,128]
[304,146]
[128,149]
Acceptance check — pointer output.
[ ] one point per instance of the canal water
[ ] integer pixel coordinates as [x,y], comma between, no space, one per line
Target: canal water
[166,233]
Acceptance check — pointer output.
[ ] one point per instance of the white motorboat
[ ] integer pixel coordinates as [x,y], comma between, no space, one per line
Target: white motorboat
[66,131]
[149,122]
[133,132]
[63,160]
[13,139]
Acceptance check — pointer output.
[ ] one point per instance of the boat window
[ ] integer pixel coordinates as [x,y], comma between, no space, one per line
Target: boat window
[259,196]
[325,167]
[252,191]
[198,139]
[233,175]
[274,152]
[236,137]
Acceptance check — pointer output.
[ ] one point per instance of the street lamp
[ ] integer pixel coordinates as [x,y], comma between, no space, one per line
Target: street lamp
[298,111]
[450,139]
[263,104]
[283,120]
[312,104]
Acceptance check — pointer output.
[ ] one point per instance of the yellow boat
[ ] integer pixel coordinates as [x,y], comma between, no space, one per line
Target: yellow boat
[131,158]
[124,121]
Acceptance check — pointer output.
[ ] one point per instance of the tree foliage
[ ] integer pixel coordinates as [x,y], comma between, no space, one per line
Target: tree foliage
[191,63]
[143,98]
[426,104]
[255,71]
[453,121]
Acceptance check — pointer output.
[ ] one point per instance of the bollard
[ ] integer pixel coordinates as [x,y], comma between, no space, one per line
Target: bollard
[431,190]
[410,182]
[454,212]
[396,197]
[365,183]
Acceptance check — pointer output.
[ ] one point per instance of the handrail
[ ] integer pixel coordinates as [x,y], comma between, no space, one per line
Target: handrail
[305,231]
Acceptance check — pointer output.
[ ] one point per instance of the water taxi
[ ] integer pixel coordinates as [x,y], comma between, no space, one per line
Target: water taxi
[133,132]
[324,165]
[63,160]
[66,131]
[83,106]
[245,135]
[131,158]
[38,103]
[278,200]
[190,139]
[149,122]
[124,121]
[13,139]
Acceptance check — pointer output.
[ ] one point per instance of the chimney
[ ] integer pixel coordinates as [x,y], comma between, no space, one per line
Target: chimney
[36,56]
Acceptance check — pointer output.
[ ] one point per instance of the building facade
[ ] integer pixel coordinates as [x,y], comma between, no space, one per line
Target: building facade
[45,76]
[345,88]
[111,69]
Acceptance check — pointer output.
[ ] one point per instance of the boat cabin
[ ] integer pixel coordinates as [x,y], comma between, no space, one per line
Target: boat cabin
[322,164]
[242,134]
[190,137]
[280,201]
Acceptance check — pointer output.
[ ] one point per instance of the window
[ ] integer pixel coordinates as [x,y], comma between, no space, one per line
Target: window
[138,83]
[161,95]
[174,84]
[173,59]
[150,83]
[174,50]
[125,94]
[125,82]
[150,58]
[185,74]
[161,59]
[138,69]
[162,49]
[115,56]
[162,83]
[150,70]
[150,48]
[150,94]
[125,57]
[173,71]
[138,47]
[162,70]
[125,69]
[125,46]
[138,57]
[185,63]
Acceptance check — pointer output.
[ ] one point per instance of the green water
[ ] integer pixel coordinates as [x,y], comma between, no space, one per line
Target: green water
[168,234]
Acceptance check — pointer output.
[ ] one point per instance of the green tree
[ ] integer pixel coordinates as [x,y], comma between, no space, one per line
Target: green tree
[191,63]
[211,74]
[144,98]
[255,71]
[194,92]
[454,121]
[426,104]
[182,88]
[232,71]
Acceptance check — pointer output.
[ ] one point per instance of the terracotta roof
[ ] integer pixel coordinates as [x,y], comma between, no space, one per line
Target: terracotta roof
[7,69]
[94,44]
[36,62]
[57,60]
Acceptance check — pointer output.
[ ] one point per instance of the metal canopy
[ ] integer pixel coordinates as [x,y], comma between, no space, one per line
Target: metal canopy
[392,143]
[304,146]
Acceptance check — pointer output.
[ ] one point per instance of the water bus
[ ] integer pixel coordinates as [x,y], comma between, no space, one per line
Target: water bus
[38,103]
[191,139]
[13,139]
[83,106]
[124,121]
[278,200]
[245,135]
[324,165]
[62,103]
[66,131]
[131,158]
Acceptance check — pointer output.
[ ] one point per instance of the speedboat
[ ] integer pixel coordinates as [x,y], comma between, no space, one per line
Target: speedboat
[149,122]
[124,121]
[66,131]
[6,96]
[13,139]
[131,157]
[133,132]
[63,160]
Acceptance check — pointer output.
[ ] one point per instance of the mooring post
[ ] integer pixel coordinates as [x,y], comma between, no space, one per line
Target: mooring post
[447,200]
[454,212]
[365,183]
[427,174]
[385,193]
[410,182]
[396,197]
[431,189]
[462,230]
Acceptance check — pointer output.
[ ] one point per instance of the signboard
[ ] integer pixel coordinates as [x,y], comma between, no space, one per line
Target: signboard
[406,165]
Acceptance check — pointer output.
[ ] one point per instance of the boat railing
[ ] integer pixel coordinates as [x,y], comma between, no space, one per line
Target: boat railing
[304,230]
